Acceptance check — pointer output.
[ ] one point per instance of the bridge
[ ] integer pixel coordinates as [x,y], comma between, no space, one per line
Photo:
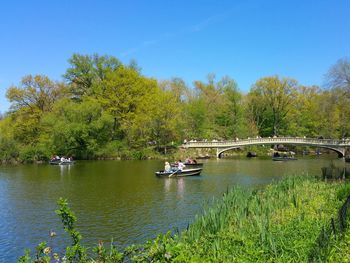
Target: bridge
[338,146]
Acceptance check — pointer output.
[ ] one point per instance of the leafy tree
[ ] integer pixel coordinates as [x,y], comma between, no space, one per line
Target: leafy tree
[229,117]
[167,123]
[77,129]
[86,72]
[338,79]
[276,96]
[125,94]
[210,92]
[195,119]
[35,96]
[9,148]
[35,93]
[333,114]
[328,115]
[222,106]
[304,114]
[134,65]
[256,112]
[178,88]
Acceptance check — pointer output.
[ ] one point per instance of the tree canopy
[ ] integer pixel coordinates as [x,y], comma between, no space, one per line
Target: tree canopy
[103,108]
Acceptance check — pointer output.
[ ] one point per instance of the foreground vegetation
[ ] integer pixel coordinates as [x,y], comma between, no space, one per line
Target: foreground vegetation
[294,220]
[103,108]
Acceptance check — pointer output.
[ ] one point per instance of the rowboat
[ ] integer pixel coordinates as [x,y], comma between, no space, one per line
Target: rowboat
[204,157]
[179,173]
[194,164]
[284,158]
[188,164]
[251,154]
[59,162]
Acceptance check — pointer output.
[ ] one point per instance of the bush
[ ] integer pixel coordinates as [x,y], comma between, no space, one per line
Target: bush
[33,153]
[8,150]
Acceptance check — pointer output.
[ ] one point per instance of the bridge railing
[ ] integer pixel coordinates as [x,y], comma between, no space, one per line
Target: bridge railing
[296,140]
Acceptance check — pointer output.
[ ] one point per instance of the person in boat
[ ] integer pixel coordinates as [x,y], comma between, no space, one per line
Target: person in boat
[167,167]
[188,161]
[180,165]
[276,154]
[55,158]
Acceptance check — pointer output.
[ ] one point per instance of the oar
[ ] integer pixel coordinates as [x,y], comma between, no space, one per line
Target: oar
[170,175]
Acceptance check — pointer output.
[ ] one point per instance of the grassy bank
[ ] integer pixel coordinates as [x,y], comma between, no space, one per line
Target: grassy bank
[289,221]
[294,220]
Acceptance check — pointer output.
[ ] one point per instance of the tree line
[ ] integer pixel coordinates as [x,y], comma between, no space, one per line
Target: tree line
[103,108]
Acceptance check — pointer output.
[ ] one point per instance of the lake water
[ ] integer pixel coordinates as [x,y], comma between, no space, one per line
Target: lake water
[122,200]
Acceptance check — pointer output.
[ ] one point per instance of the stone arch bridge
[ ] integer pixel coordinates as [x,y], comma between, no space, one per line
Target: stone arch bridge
[338,146]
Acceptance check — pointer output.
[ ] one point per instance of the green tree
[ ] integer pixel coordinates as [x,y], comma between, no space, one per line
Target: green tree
[86,72]
[78,129]
[222,107]
[9,148]
[125,95]
[34,97]
[276,96]
[178,88]
[196,123]
[35,93]
[256,112]
[338,80]
[304,114]
[229,117]
[169,118]
[328,115]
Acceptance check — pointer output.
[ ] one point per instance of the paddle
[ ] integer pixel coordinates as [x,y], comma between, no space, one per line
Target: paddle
[170,175]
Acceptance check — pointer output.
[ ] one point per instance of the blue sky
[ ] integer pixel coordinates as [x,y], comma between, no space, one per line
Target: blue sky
[246,40]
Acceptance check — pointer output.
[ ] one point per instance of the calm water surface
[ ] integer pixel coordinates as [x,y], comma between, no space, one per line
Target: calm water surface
[122,200]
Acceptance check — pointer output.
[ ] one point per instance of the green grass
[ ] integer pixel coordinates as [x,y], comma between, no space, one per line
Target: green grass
[272,225]
[281,223]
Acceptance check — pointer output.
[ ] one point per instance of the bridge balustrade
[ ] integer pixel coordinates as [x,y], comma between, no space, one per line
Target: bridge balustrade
[291,140]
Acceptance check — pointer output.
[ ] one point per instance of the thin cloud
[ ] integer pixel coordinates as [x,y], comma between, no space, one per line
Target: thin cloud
[205,23]
[188,30]
[150,42]
[138,48]
[191,29]
[130,51]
